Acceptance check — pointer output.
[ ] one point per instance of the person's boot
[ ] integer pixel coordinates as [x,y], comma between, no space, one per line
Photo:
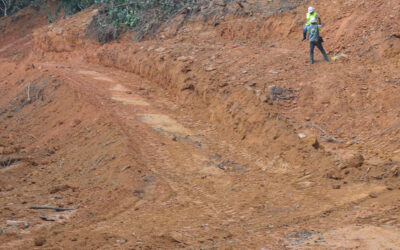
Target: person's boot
[312,59]
[325,57]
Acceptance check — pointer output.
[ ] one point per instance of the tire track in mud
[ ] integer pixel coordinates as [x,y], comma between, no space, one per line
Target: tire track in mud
[182,184]
[186,184]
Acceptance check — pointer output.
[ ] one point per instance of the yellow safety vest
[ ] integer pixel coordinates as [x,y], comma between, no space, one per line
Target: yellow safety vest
[309,16]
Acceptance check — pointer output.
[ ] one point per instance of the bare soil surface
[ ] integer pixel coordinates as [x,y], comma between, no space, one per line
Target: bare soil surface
[217,134]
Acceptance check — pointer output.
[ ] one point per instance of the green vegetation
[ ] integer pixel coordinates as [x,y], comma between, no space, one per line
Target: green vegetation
[133,12]
[9,7]
[144,16]
[73,6]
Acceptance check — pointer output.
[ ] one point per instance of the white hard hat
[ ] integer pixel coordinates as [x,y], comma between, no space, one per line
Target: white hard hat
[311,9]
[313,20]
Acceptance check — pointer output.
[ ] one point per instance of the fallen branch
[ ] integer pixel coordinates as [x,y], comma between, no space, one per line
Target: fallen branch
[326,136]
[58,209]
[393,127]
[27,91]
[329,138]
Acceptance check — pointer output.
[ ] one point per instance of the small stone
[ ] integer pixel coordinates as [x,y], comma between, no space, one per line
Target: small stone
[355,161]
[210,68]
[308,118]
[316,144]
[244,71]
[161,49]
[373,195]
[301,135]
[311,140]
[22,224]
[334,174]
[273,72]
[129,92]
[349,143]
[182,58]
[39,241]
[336,186]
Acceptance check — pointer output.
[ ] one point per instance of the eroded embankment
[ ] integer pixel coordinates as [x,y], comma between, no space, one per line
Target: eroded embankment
[242,113]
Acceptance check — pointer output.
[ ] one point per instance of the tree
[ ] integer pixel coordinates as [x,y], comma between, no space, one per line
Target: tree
[5,5]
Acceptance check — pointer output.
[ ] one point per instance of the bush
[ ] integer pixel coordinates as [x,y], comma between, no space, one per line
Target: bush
[73,6]
[70,7]
[104,32]
[9,7]
[142,15]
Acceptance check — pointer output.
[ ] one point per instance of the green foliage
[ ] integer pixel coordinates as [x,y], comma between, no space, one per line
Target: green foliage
[14,6]
[142,15]
[70,7]
[36,3]
[73,6]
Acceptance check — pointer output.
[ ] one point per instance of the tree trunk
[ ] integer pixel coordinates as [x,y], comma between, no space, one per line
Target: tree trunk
[4,8]
[6,5]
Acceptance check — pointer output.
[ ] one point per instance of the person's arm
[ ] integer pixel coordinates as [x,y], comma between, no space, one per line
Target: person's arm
[305,38]
[319,21]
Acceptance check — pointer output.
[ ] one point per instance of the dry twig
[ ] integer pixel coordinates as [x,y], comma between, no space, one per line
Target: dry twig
[27,92]
[58,209]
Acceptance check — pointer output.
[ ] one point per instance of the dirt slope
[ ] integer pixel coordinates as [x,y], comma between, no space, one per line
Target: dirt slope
[179,142]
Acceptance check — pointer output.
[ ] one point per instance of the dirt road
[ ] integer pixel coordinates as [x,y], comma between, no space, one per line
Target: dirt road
[172,146]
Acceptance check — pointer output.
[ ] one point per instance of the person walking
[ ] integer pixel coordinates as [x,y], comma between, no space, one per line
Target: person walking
[310,14]
[315,40]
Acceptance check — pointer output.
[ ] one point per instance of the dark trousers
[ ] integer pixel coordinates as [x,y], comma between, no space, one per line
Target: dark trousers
[319,46]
